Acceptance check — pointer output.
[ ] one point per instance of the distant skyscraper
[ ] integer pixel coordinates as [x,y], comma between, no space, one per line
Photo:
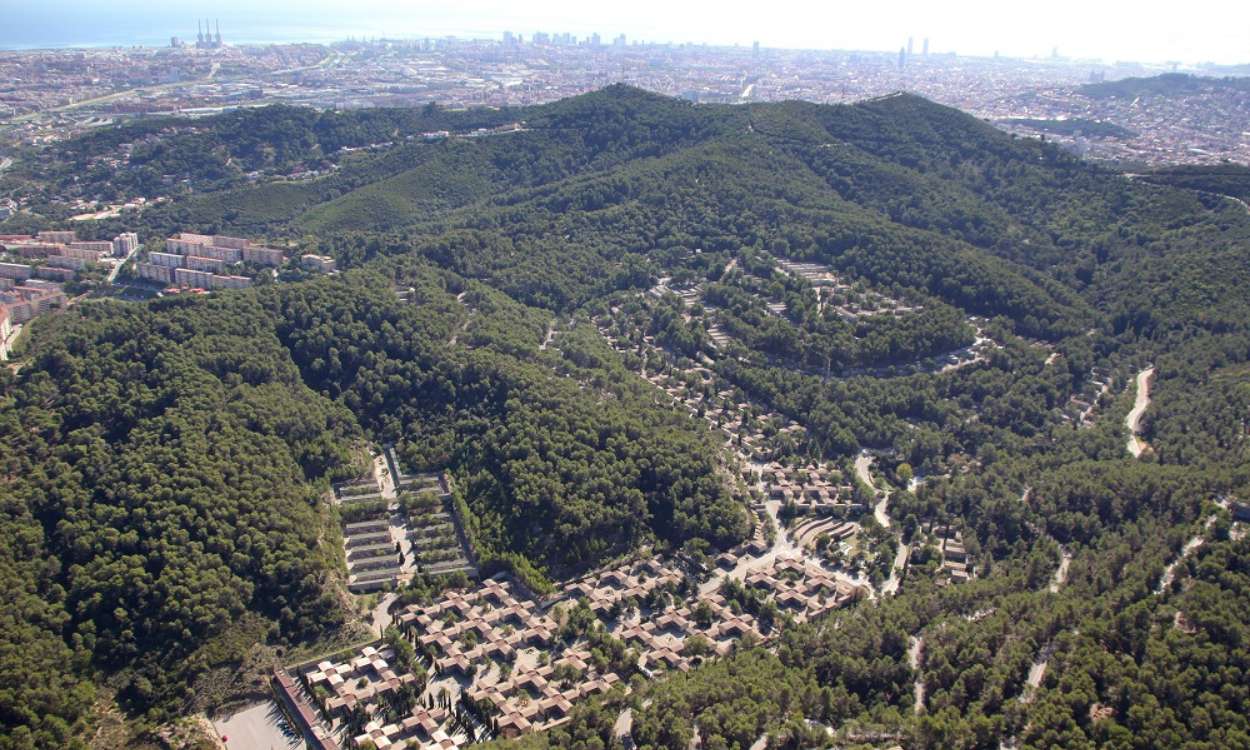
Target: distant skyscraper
[508,38]
[910,41]
[619,41]
[594,39]
[925,49]
[755,49]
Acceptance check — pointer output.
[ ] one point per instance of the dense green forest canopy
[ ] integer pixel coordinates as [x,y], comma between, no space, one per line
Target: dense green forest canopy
[1232,180]
[166,462]
[1073,126]
[1167,84]
[167,466]
[162,156]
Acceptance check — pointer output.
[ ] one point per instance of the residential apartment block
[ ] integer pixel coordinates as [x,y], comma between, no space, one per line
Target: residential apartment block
[212,265]
[29,300]
[59,237]
[189,277]
[124,244]
[168,260]
[265,256]
[155,272]
[16,271]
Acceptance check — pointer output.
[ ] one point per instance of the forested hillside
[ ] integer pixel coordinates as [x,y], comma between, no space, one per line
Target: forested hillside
[1161,85]
[167,465]
[891,276]
[163,465]
[564,470]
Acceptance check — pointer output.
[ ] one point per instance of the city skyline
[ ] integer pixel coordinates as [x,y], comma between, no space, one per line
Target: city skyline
[1142,32]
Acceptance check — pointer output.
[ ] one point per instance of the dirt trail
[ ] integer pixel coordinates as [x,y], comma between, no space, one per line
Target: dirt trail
[551,334]
[1169,573]
[913,659]
[455,336]
[1191,546]
[1140,404]
[1061,573]
[1037,672]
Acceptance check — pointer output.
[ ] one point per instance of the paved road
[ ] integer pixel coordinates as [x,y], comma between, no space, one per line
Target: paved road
[863,465]
[880,511]
[112,277]
[257,727]
[900,561]
[380,619]
[14,332]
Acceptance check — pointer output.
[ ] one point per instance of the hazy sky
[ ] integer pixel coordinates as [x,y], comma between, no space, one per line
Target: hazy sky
[1144,30]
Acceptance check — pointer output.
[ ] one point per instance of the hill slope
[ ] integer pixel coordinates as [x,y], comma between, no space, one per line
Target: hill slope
[891,275]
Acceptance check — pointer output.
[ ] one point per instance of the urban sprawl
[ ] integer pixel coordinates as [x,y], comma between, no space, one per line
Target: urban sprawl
[49,94]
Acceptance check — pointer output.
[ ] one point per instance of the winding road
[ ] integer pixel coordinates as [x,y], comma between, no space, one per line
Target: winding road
[880,511]
[863,470]
[1191,546]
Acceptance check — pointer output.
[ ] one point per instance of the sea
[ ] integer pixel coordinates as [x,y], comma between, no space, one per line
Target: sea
[26,24]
